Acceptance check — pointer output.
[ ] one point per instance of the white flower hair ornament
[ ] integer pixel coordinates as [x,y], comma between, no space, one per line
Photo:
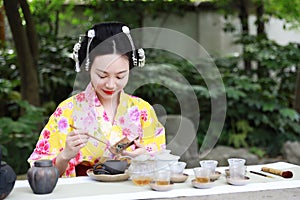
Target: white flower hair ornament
[77,46]
[138,60]
[75,54]
[91,35]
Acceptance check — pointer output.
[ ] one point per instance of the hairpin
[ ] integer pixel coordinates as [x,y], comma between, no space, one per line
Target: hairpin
[75,54]
[140,61]
[142,57]
[91,35]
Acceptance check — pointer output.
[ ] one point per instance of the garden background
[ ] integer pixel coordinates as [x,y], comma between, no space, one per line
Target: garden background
[262,80]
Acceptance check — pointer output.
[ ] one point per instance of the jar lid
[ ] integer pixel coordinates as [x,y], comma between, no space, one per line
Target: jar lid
[43,163]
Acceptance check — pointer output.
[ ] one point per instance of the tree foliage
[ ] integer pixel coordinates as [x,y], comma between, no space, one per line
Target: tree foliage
[260,99]
[269,106]
[285,10]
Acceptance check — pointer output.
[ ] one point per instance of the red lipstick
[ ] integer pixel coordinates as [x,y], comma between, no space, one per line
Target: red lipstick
[108,92]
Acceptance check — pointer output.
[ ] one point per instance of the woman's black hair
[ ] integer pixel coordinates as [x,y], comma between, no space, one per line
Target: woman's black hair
[109,39]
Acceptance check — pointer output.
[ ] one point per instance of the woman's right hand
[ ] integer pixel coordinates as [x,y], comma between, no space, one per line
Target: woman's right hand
[75,140]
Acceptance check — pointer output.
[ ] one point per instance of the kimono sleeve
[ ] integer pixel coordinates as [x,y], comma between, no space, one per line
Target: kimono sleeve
[153,132]
[53,136]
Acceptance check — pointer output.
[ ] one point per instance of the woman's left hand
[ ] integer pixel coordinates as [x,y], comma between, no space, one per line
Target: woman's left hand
[140,149]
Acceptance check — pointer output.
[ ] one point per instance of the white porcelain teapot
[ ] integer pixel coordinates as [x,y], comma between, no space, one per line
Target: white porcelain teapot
[151,163]
[164,158]
[141,166]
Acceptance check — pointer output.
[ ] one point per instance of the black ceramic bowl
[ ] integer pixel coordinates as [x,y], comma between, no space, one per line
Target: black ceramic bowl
[111,167]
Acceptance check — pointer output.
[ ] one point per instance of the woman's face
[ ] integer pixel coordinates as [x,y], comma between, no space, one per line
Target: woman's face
[109,75]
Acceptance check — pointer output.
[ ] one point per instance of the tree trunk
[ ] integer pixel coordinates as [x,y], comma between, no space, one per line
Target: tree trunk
[2,27]
[297,98]
[30,31]
[261,33]
[243,15]
[260,10]
[26,44]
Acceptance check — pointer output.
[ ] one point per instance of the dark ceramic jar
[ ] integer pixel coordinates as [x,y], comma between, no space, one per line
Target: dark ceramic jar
[7,178]
[42,177]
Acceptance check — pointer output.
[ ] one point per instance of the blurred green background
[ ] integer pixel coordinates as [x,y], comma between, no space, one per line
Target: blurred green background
[262,81]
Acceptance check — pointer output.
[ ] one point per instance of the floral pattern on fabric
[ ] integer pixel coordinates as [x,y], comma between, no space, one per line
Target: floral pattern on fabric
[134,117]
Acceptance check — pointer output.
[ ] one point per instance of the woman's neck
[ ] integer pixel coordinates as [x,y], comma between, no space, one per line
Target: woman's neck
[110,106]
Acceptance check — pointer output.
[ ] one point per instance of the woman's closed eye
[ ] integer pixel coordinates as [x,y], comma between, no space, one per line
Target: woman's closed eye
[102,76]
[106,76]
[120,77]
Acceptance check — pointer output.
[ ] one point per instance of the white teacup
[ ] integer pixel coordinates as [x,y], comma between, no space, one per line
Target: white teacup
[237,168]
[177,168]
[202,175]
[236,161]
[211,165]
[162,177]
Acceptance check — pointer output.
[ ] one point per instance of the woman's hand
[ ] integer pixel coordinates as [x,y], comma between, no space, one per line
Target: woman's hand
[75,140]
[140,149]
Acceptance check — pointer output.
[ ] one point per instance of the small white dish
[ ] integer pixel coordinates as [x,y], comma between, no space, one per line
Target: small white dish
[179,178]
[202,185]
[239,182]
[161,188]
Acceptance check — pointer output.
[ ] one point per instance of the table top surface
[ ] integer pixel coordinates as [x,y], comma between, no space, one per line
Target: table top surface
[87,188]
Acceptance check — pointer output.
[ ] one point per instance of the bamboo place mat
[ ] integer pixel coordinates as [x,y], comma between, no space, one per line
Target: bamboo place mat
[86,188]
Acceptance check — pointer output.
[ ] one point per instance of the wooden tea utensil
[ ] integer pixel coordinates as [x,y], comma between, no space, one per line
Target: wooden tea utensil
[116,148]
[284,174]
[110,149]
[121,145]
[89,135]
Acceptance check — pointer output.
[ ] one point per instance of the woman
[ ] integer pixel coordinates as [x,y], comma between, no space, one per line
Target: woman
[103,110]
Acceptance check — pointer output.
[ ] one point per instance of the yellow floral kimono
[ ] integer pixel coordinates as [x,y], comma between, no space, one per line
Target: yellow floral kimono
[134,117]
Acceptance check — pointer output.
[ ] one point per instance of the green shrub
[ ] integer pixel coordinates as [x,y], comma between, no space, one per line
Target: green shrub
[18,137]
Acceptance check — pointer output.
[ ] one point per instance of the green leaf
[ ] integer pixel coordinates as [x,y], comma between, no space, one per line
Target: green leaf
[238,140]
[289,113]
[234,93]
[259,152]
[268,106]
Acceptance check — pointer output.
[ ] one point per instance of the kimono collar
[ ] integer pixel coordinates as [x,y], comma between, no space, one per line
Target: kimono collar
[92,97]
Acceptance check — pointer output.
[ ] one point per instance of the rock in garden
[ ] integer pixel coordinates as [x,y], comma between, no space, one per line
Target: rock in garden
[291,151]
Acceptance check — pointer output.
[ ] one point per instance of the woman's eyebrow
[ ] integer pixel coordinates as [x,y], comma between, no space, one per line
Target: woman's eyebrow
[121,72]
[107,72]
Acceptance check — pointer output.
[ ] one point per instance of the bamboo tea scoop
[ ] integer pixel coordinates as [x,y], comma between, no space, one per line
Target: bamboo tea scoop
[284,174]
[72,126]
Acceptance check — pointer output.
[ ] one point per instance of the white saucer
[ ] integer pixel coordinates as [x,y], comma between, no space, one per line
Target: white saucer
[161,188]
[202,185]
[238,182]
[179,178]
